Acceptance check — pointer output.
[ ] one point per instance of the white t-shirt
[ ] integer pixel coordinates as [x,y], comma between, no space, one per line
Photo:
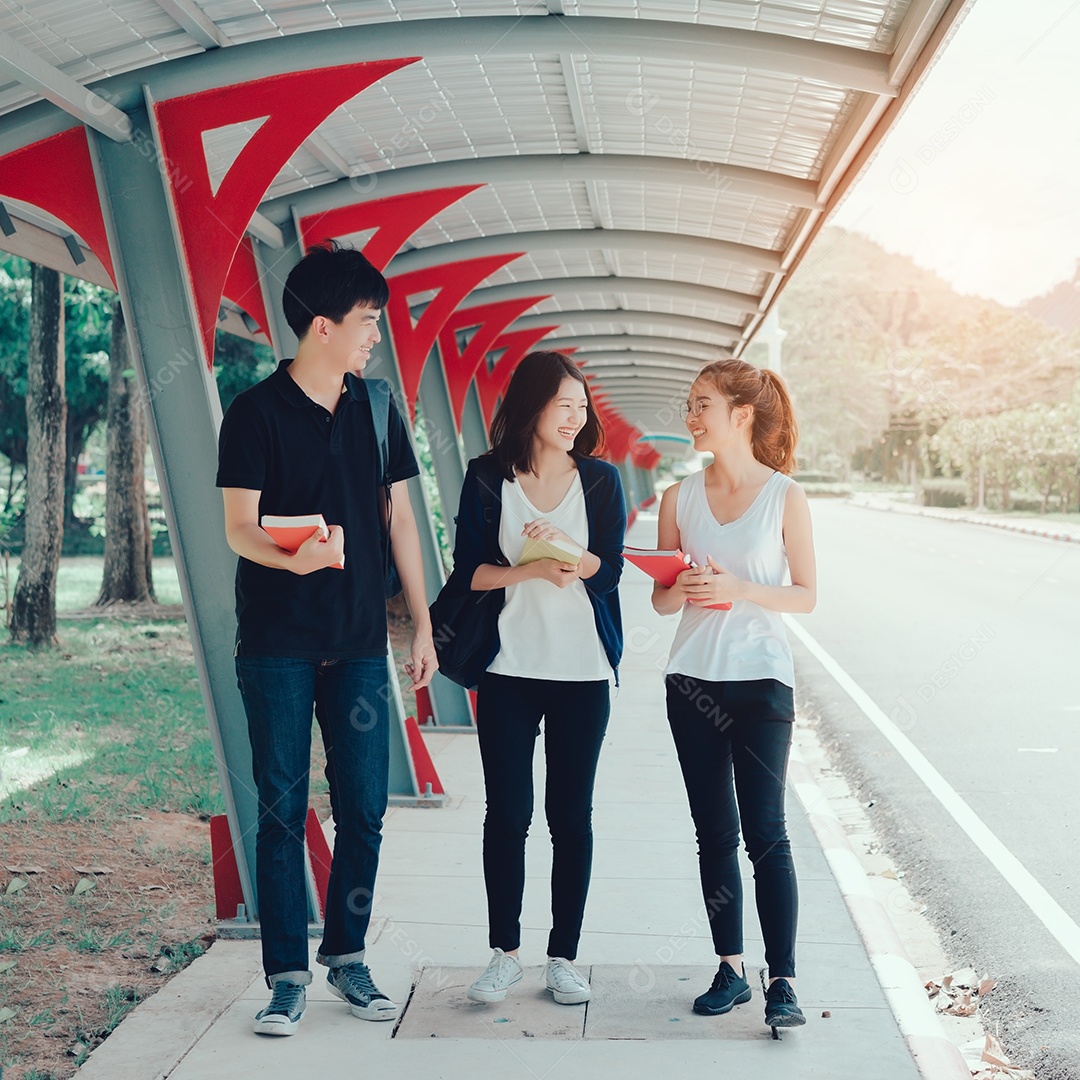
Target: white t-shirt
[749,641]
[546,632]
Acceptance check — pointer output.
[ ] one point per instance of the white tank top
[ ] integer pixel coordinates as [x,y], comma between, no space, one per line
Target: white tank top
[546,632]
[749,641]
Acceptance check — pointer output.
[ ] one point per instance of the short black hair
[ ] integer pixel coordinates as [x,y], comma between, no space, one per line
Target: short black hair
[330,280]
[534,384]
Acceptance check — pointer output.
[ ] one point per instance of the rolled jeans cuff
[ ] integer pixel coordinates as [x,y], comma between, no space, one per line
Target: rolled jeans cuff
[341,961]
[301,978]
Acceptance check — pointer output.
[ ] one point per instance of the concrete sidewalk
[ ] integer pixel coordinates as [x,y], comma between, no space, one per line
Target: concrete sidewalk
[646,946]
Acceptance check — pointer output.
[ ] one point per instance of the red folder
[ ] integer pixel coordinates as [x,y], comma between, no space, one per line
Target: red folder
[664,567]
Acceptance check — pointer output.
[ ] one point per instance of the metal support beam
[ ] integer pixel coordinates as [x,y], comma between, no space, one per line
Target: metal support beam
[449,702]
[623,317]
[196,22]
[567,169]
[726,300]
[184,414]
[562,240]
[473,429]
[26,67]
[442,436]
[501,36]
[586,344]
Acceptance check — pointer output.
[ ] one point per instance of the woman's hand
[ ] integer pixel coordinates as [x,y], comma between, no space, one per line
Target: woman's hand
[712,584]
[542,529]
[558,573]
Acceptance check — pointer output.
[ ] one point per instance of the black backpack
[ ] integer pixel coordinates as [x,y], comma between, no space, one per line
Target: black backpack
[465,624]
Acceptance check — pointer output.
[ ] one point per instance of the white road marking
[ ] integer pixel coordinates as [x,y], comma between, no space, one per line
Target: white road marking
[1042,905]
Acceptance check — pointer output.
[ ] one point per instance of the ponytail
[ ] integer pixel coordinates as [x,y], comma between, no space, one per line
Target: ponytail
[775,432]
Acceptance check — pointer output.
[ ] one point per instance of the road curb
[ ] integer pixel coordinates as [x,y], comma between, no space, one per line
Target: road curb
[939,514]
[936,1056]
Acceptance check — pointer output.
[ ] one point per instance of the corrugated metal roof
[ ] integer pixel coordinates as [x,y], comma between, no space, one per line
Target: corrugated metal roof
[534,102]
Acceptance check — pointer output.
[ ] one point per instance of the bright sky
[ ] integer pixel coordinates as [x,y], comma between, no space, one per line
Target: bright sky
[980,179]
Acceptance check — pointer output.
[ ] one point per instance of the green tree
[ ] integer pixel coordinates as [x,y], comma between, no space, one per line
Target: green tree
[33,610]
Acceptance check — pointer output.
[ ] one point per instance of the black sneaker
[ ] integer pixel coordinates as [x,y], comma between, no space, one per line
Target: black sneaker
[782,1007]
[282,1015]
[352,983]
[727,990]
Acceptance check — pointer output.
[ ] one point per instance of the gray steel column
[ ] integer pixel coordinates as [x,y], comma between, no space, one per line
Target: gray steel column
[627,484]
[442,437]
[184,414]
[449,702]
[473,429]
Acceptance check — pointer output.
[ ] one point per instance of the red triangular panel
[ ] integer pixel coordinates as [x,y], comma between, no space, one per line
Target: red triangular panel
[491,385]
[212,225]
[413,343]
[57,176]
[490,320]
[242,286]
[395,218]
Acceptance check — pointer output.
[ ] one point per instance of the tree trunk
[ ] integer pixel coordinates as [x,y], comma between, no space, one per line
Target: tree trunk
[128,573]
[33,614]
[73,447]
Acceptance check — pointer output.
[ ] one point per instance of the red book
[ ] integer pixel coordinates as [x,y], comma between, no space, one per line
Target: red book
[664,567]
[289,531]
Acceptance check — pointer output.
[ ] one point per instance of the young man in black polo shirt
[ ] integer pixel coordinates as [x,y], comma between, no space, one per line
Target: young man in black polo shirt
[311,635]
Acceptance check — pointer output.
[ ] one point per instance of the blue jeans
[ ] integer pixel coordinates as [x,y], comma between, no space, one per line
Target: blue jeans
[350,703]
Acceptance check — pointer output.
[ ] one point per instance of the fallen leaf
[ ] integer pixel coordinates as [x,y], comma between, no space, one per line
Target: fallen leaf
[994,1052]
[986,986]
[152,888]
[7,965]
[25,869]
[889,874]
[92,869]
[6,1014]
[84,884]
[15,884]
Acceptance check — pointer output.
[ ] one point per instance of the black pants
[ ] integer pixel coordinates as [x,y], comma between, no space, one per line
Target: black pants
[733,740]
[508,712]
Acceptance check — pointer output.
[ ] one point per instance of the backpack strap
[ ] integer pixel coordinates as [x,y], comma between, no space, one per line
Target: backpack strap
[378,392]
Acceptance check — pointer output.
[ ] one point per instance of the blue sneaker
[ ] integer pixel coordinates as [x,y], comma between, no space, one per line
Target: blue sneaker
[282,1015]
[352,983]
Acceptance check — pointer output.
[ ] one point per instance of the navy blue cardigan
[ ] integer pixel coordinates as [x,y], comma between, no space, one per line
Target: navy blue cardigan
[605,511]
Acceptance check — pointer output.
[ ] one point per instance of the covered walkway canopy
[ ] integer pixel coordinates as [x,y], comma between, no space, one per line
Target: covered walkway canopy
[633,182]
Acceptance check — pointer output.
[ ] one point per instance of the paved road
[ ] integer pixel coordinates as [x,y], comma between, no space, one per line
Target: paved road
[969,639]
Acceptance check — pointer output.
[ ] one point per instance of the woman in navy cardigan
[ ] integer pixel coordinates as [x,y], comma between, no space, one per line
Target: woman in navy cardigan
[556,649]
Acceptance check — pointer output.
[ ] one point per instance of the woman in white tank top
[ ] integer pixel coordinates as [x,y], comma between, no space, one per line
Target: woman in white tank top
[729,680]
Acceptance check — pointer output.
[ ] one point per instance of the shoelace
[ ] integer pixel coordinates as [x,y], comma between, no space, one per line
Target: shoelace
[285,997]
[358,979]
[499,965]
[780,993]
[723,979]
[563,975]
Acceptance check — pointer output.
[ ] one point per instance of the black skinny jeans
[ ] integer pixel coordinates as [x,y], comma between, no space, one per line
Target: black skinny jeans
[733,740]
[508,712]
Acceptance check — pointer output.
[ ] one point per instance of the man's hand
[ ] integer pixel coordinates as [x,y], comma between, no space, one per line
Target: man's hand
[315,554]
[422,663]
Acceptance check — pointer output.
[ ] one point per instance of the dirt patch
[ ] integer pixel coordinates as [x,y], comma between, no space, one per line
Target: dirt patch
[105,915]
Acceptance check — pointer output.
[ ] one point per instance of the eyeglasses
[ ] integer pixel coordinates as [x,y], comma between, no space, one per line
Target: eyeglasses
[695,407]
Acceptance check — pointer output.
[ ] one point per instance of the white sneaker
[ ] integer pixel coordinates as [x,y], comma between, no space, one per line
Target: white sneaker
[566,983]
[502,973]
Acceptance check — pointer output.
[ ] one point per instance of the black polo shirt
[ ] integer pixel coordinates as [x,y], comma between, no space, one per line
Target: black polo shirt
[274,439]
